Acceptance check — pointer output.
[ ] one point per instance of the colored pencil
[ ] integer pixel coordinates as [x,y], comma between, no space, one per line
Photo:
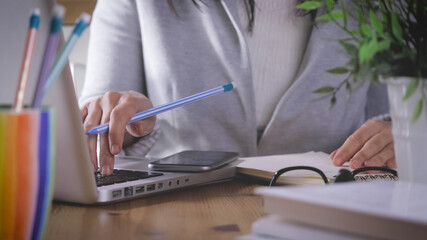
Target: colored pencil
[62,59]
[25,68]
[168,106]
[49,54]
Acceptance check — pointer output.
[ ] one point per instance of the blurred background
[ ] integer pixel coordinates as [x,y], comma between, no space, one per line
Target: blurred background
[14,18]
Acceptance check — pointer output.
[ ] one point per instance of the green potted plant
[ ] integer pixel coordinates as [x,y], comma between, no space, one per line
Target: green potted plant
[387,44]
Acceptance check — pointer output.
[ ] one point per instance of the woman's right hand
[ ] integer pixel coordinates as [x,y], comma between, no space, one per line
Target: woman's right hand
[117,108]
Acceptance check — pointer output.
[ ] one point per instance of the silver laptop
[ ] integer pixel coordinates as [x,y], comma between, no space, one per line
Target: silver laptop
[74,177]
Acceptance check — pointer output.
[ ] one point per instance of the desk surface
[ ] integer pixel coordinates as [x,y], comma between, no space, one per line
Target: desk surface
[218,211]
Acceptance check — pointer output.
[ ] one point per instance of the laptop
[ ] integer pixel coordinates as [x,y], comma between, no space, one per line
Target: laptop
[75,180]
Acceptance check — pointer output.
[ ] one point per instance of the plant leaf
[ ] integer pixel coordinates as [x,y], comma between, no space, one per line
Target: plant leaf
[384,12]
[349,48]
[330,5]
[363,53]
[417,111]
[367,51]
[355,31]
[373,47]
[360,15]
[335,15]
[384,45]
[326,89]
[344,13]
[411,88]
[396,28]
[309,5]
[338,70]
[376,23]
[365,30]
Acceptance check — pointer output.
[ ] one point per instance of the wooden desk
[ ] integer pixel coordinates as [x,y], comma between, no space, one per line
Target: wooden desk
[218,211]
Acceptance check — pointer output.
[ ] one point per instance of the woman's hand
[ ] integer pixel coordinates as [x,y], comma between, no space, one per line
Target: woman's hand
[117,108]
[370,145]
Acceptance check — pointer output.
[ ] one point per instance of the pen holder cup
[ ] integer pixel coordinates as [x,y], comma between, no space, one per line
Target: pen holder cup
[26,172]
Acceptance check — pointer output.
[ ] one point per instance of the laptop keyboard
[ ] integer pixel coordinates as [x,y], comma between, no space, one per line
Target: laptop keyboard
[121,176]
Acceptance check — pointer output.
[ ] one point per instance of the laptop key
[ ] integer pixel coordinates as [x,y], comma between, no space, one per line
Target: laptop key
[120,176]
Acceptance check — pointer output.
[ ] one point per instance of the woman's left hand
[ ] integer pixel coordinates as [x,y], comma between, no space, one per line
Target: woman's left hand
[370,145]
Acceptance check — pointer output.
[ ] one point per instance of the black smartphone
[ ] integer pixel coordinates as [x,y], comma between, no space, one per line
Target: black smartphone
[193,161]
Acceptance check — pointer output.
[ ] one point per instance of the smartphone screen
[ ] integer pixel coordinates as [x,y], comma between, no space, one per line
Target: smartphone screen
[193,161]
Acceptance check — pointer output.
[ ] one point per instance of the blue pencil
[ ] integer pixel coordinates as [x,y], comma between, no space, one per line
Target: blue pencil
[168,106]
[62,58]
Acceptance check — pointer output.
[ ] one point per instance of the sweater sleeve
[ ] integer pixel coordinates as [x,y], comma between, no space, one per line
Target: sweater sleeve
[115,59]
[115,53]
[144,144]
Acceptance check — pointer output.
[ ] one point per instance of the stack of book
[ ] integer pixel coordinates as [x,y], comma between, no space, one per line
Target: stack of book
[368,210]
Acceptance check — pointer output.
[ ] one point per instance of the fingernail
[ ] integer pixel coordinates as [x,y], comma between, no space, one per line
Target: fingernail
[105,170]
[370,163]
[115,149]
[338,161]
[354,163]
[333,154]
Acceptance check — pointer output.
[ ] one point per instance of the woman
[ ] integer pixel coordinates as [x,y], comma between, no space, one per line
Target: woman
[145,53]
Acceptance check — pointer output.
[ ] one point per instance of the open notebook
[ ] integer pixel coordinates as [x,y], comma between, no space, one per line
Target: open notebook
[264,167]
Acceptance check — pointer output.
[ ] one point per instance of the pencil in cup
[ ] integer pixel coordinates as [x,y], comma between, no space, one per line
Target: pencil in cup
[49,54]
[168,106]
[61,60]
[25,68]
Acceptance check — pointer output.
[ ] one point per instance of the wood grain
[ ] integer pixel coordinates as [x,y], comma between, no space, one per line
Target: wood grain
[217,211]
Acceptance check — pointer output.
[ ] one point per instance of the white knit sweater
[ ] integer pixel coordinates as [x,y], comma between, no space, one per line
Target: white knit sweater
[276,46]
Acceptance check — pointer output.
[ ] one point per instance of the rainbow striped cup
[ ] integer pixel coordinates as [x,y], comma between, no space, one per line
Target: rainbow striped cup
[26,172]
